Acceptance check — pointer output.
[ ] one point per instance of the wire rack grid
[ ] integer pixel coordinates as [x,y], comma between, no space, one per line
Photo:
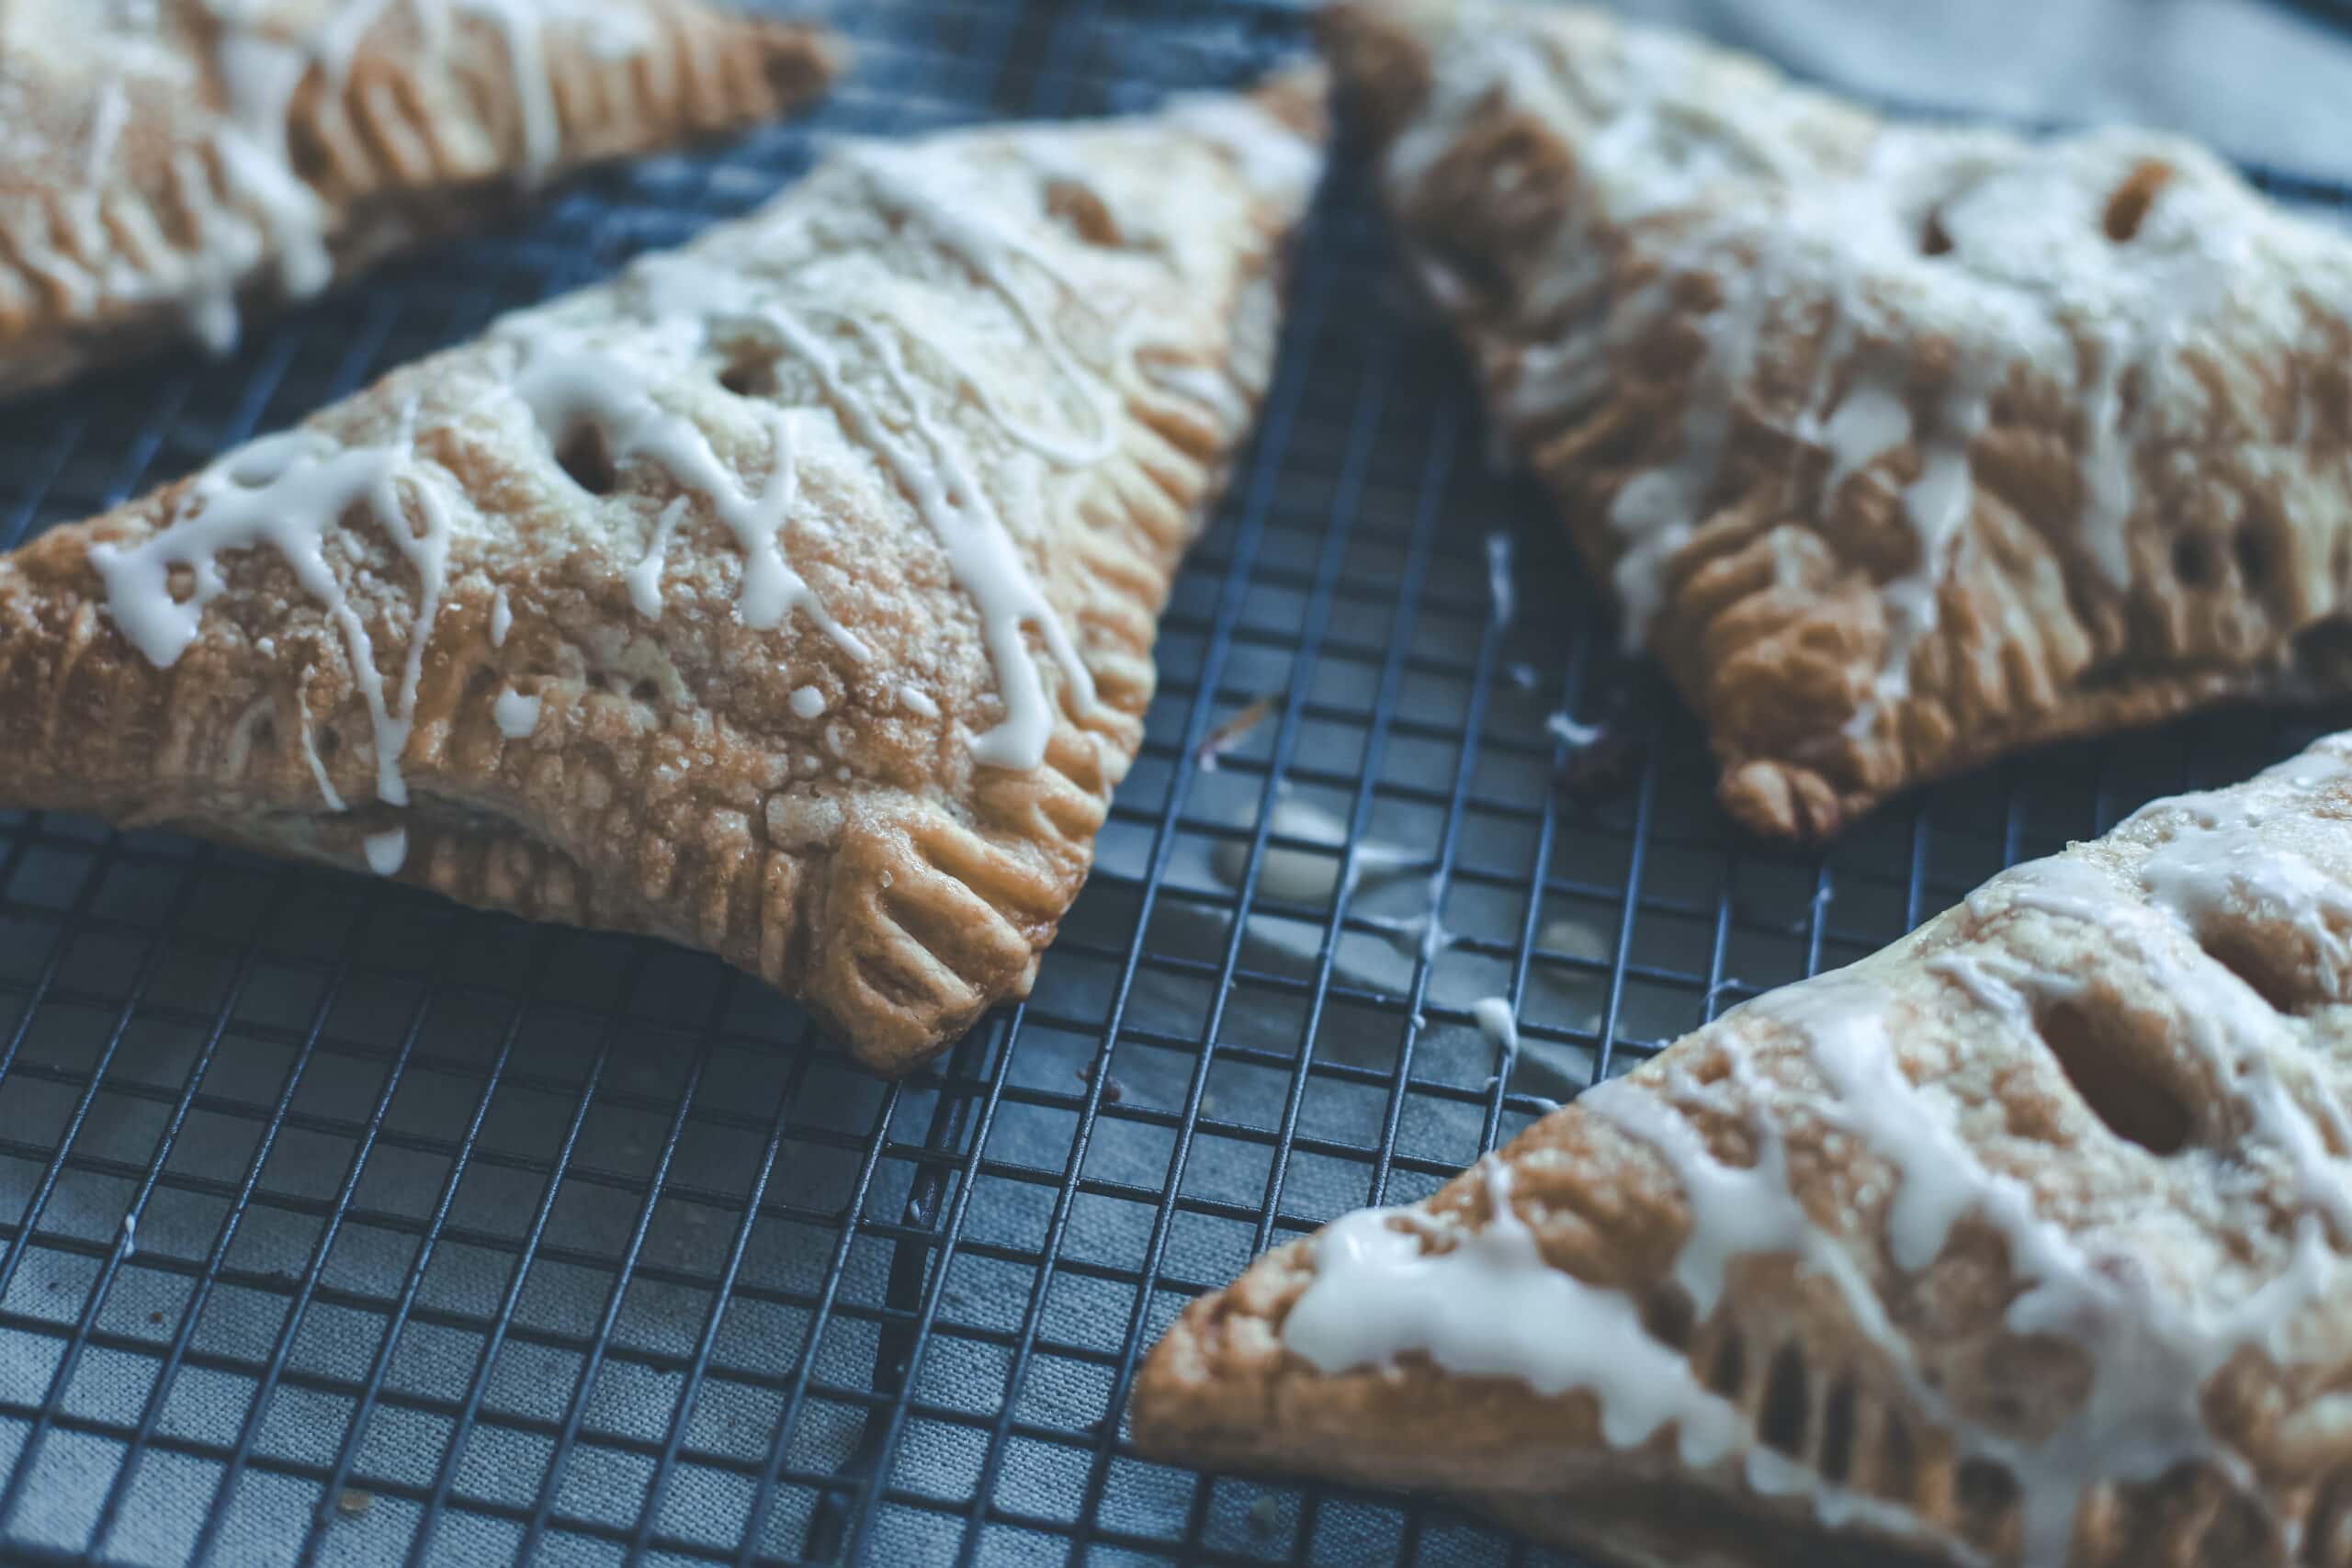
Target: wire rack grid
[339,1224]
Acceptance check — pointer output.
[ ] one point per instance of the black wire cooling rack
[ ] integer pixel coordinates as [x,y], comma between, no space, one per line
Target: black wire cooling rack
[340,1224]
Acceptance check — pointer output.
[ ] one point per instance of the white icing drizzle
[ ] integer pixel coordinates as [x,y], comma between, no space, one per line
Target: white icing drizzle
[106,120]
[517,23]
[1474,1309]
[565,384]
[2220,863]
[516,713]
[1494,1015]
[1657,509]
[645,577]
[387,852]
[697,303]
[1276,161]
[1780,196]
[1499,580]
[1301,876]
[1491,1307]
[980,552]
[808,702]
[1103,409]
[327,791]
[290,492]
[1204,385]
[2150,1357]
[1937,505]
[919,701]
[260,71]
[1567,728]
[920,190]
[2215,866]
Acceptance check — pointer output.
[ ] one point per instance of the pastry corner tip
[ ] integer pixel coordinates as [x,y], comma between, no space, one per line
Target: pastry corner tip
[1165,1413]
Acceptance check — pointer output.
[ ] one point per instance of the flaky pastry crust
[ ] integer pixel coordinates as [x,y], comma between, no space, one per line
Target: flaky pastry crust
[162,164]
[1903,446]
[791,596]
[2020,1242]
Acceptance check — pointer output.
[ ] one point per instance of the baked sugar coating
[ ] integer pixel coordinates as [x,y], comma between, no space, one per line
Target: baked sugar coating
[164,164]
[2019,1242]
[1903,446]
[791,596]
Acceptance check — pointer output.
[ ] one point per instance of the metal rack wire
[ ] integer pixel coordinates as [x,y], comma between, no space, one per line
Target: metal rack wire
[338,1225]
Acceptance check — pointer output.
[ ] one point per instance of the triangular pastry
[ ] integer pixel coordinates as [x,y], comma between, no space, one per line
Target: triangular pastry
[790,596]
[1901,446]
[161,161]
[2020,1242]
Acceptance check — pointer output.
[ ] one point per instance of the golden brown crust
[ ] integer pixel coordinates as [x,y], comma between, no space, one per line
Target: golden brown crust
[159,171]
[2025,1240]
[1903,446]
[805,802]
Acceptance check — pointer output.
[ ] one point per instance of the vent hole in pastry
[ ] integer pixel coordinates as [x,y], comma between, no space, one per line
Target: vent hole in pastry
[587,457]
[2254,556]
[179,582]
[1898,1460]
[1666,1316]
[1727,1369]
[1934,239]
[1837,1459]
[326,743]
[264,731]
[2193,561]
[751,374]
[646,692]
[2115,1087]
[1780,1423]
[1986,1492]
[2326,1539]
[2240,1531]
[307,151]
[1077,204]
[2282,968]
[2324,649]
[2128,208]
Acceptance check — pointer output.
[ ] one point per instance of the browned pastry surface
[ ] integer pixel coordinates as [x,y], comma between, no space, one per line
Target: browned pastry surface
[2020,1242]
[753,600]
[1901,446]
[160,159]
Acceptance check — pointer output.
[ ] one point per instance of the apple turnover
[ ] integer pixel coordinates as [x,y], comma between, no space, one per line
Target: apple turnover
[791,595]
[166,159]
[1901,445]
[2019,1242]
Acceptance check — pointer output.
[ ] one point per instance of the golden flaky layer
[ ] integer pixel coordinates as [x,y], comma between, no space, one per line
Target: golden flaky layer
[1903,446]
[162,164]
[791,596]
[2020,1242]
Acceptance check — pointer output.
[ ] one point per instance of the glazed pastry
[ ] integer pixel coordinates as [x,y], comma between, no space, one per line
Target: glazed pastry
[791,596]
[1901,445]
[165,160]
[2019,1242]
